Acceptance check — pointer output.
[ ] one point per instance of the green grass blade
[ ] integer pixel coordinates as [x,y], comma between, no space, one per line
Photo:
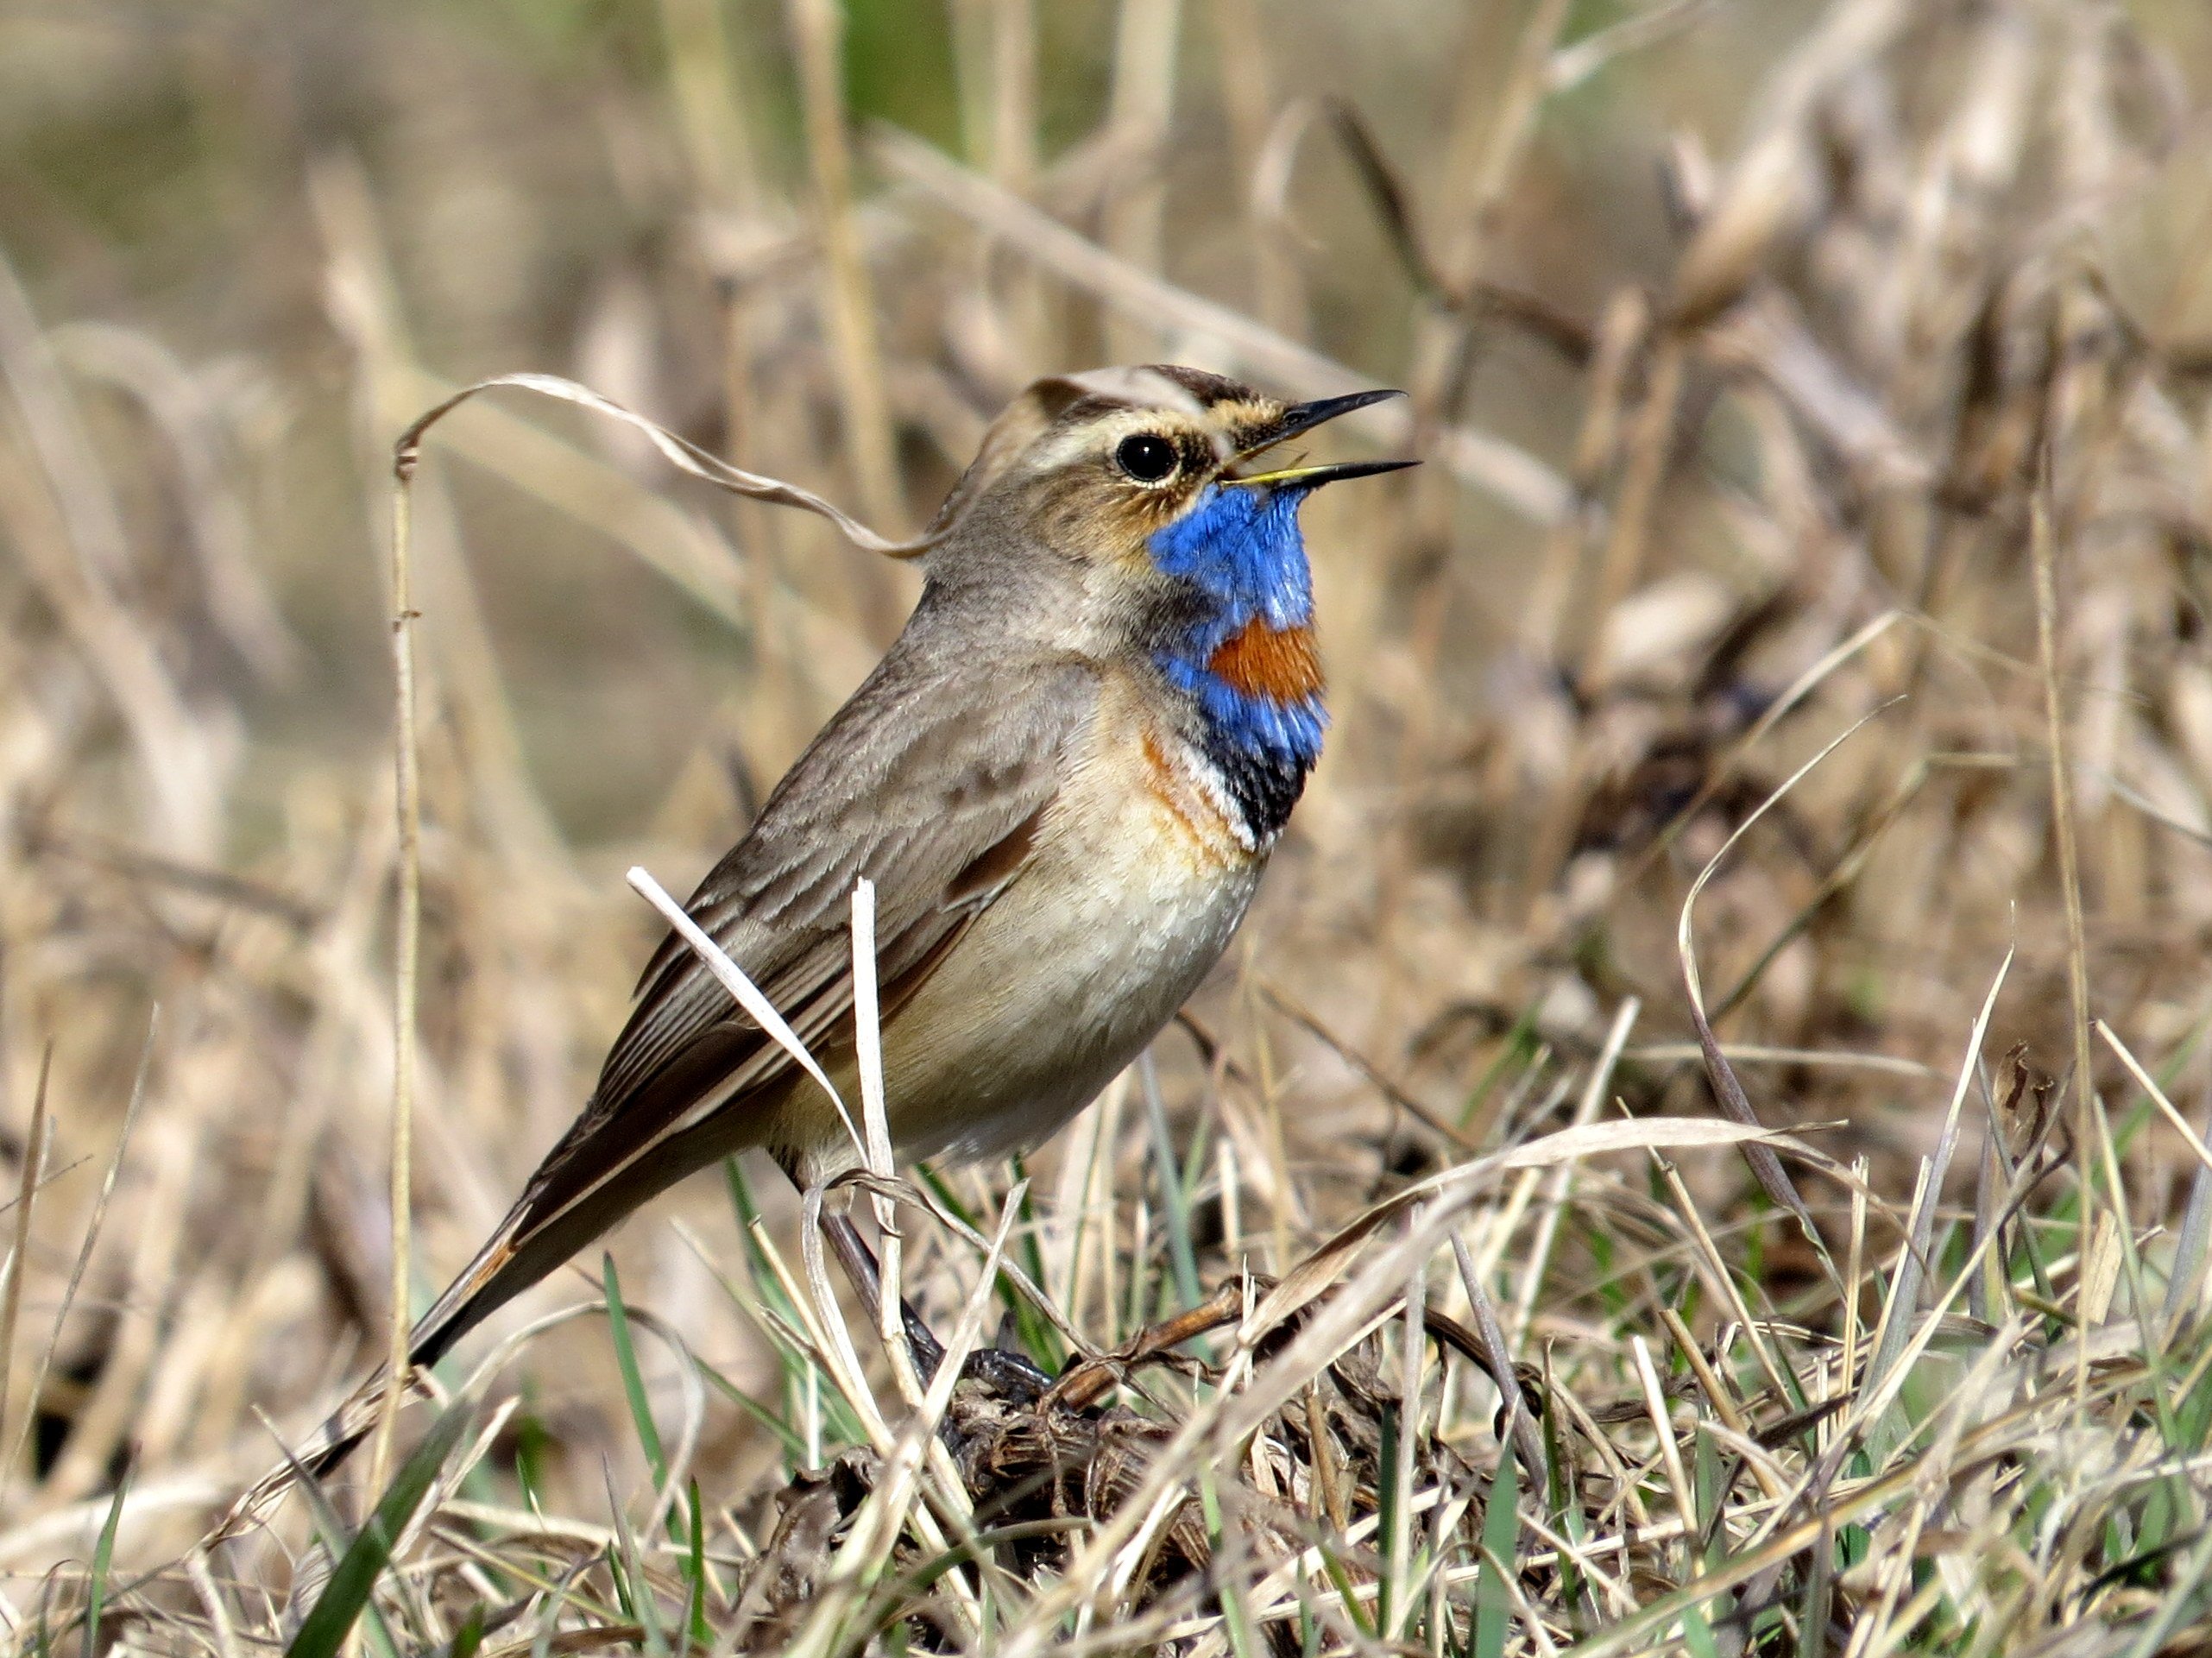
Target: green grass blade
[1038,1337]
[1387,1497]
[532,1441]
[1518,1046]
[335,1539]
[1347,1592]
[634,1381]
[102,1557]
[702,1637]
[1501,1541]
[634,1582]
[1698,1633]
[355,1576]
[1575,1589]
[788,1437]
[469,1635]
[1173,1196]
[1235,1614]
[767,1288]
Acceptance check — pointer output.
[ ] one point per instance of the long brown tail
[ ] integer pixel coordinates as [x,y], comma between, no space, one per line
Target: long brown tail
[528,1246]
[490,1282]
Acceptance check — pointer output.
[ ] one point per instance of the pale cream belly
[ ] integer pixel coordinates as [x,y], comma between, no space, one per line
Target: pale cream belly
[1129,900]
[1053,992]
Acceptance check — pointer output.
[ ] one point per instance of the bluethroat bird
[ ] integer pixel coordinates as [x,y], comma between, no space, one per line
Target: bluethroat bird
[1064,780]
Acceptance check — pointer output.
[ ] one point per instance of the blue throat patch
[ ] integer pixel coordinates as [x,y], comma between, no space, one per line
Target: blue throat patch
[1241,549]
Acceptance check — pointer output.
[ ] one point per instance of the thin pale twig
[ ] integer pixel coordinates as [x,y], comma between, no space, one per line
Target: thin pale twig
[19,1251]
[2042,556]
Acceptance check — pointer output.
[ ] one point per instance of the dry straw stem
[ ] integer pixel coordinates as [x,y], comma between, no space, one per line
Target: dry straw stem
[182,412]
[406,953]
[744,993]
[817,27]
[890,1506]
[10,1306]
[1912,1264]
[685,456]
[1539,1257]
[1357,1301]
[2043,555]
[19,1249]
[1648,441]
[59,506]
[1726,1089]
[1504,1224]
[874,1149]
[891,1327]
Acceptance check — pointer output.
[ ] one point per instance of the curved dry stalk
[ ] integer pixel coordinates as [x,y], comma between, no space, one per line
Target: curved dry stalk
[1726,1089]
[406,959]
[680,452]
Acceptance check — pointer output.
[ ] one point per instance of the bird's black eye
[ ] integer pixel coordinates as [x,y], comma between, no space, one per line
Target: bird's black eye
[1146,457]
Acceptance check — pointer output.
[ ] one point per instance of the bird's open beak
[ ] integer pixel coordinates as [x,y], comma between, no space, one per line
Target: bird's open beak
[1313,477]
[1304,417]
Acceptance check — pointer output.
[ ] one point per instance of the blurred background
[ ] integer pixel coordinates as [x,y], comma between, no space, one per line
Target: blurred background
[1737,336]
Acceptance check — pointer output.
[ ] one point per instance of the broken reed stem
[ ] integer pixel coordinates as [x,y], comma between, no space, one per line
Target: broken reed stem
[406,947]
[2069,884]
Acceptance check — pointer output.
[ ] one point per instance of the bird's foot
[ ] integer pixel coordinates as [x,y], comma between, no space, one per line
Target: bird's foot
[1004,1370]
[1007,1371]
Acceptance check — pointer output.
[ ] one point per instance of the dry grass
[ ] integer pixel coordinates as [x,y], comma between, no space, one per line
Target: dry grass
[1846,472]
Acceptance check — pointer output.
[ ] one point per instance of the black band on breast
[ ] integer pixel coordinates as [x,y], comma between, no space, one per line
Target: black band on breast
[1264,783]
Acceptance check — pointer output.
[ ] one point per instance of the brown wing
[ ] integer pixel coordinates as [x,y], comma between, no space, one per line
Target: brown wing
[932,782]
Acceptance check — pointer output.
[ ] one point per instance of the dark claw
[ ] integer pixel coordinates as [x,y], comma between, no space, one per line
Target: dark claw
[1010,1375]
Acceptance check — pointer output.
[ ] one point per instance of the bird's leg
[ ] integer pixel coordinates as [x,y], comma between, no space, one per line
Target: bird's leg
[859,1263]
[1011,1373]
